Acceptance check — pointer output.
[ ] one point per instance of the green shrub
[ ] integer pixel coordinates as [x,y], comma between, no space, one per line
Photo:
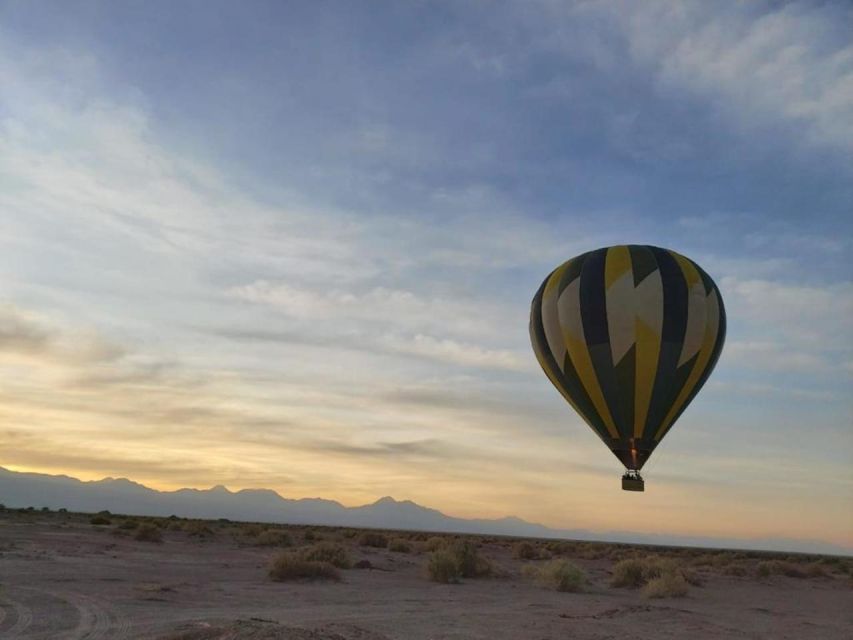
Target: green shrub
[442,567]
[668,585]
[147,532]
[369,539]
[290,566]
[561,575]
[328,553]
[400,545]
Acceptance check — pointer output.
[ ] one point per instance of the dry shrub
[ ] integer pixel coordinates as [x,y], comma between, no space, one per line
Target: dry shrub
[559,547]
[252,530]
[290,566]
[471,564]
[128,524]
[328,553]
[635,572]
[668,585]
[273,538]
[561,575]
[99,520]
[147,532]
[736,569]
[816,570]
[435,543]
[628,573]
[370,539]
[781,568]
[349,533]
[457,560]
[198,529]
[692,577]
[525,551]
[400,545]
[442,567]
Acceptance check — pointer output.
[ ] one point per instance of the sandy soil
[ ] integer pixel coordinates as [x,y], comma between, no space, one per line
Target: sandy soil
[62,578]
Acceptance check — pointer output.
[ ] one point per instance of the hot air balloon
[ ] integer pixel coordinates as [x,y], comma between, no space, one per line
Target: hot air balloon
[628,335]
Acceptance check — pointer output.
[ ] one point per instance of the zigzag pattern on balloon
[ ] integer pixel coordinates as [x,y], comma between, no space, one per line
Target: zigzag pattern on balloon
[628,335]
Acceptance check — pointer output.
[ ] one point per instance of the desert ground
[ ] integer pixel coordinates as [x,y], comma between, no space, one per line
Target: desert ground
[84,576]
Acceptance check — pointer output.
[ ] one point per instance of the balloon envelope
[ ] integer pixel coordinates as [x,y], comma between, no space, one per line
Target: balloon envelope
[628,334]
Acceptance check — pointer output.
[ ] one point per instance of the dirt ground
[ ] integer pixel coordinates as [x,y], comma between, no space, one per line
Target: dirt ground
[63,578]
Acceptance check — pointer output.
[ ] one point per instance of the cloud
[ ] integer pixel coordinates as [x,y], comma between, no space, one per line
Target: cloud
[447,350]
[773,356]
[819,317]
[792,63]
[28,335]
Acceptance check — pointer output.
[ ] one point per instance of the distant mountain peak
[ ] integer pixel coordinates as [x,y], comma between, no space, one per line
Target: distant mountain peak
[24,489]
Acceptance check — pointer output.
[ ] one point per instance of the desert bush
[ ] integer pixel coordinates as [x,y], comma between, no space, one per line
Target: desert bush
[469,561]
[442,567]
[290,566]
[668,585]
[559,547]
[635,572]
[370,539]
[693,578]
[252,530]
[779,567]
[628,573]
[328,553]
[816,570]
[656,566]
[99,520]
[128,524]
[561,575]
[435,543]
[273,538]
[400,545]
[525,551]
[147,532]
[458,559]
[197,528]
[349,533]
[735,569]
[312,536]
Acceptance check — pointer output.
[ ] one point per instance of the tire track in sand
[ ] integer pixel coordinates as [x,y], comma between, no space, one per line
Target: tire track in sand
[95,619]
[12,626]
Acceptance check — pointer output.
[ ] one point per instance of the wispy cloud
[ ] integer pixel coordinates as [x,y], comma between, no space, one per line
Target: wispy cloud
[792,63]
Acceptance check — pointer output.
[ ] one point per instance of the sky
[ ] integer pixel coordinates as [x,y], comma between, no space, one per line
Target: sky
[294,245]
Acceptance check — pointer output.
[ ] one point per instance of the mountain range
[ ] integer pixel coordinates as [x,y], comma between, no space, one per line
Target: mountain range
[120,495]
